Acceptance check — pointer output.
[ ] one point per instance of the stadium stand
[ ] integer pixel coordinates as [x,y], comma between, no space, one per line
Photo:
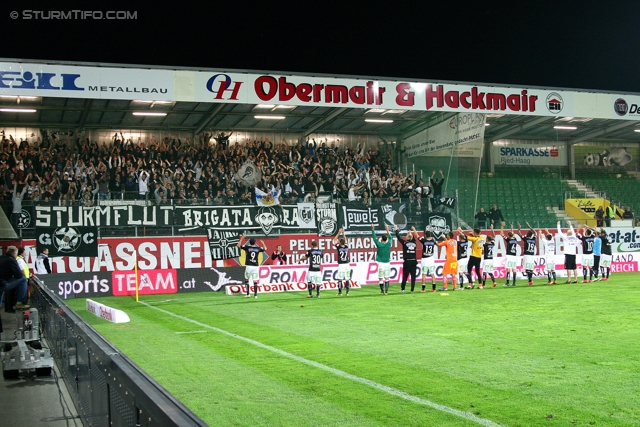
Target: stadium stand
[620,187]
[521,197]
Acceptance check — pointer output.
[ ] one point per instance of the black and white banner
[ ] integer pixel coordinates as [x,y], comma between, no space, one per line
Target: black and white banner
[449,202]
[439,224]
[223,244]
[394,214]
[327,218]
[68,241]
[307,215]
[356,218]
[237,218]
[103,216]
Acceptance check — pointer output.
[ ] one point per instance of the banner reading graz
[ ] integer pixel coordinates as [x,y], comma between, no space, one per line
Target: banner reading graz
[68,241]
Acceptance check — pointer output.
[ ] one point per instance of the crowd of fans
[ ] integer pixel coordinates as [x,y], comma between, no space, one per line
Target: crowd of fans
[76,170]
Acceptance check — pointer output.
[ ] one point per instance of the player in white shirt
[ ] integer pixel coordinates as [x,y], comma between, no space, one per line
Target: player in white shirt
[570,242]
[549,250]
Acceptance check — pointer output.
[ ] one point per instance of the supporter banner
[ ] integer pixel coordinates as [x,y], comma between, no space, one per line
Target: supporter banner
[249,175]
[459,130]
[449,202]
[307,215]
[327,218]
[223,244]
[103,216]
[438,223]
[394,214]
[356,218]
[29,79]
[505,152]
[237,218]
[68,241]
[37,79]
[26,217]
[267,199]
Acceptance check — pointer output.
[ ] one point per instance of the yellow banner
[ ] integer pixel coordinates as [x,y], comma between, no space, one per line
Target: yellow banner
[584,210]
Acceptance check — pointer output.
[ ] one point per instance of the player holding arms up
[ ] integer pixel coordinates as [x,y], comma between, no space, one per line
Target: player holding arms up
[487,263]
[428,259]
[549,246]
[314,275]
[451,261]
[597,253]
[477,241]
[383,258]
[252,251]
[463,258]
[344,270]
[409,265]
[605,259]
[530,243]
[570,242]
[513,260]
[588,240]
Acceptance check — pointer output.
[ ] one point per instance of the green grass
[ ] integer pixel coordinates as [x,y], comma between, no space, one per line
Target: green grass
[564,355]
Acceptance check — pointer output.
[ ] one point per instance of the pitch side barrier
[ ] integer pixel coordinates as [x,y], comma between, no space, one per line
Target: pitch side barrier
[106,387]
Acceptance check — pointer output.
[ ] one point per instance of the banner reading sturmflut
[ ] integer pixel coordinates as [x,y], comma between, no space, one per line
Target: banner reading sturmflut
[462,129]
[68,241]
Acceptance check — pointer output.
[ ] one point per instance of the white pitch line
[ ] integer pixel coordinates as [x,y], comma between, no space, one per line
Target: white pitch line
[462,414]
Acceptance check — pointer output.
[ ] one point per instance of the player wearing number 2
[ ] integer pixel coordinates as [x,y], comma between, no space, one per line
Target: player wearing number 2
[252,251]
[344,269]
[314,275]
[530,243]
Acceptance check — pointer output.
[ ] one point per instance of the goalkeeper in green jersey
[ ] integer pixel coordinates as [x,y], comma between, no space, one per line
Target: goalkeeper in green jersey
[383,258]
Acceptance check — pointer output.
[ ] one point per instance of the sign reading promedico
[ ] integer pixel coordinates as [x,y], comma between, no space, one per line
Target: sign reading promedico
[96,82]
[544,154]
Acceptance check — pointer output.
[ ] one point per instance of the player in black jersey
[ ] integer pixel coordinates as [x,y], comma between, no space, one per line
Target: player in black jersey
[409,265]
[344,270]
[314,275]
[487,262]
[512,262]
[530,244]
[429,247]
[605,258]
[588,240]
[463,259]
[252,252]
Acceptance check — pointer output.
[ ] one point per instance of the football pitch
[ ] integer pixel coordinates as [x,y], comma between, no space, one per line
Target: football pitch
[560,355]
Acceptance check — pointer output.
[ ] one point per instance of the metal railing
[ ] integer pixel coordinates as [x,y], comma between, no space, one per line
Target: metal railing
[106,387]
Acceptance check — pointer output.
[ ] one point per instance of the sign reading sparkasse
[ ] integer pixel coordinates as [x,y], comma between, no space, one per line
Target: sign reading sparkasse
[215,86]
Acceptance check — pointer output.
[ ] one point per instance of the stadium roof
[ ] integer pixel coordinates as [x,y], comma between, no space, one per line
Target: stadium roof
[98,111]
